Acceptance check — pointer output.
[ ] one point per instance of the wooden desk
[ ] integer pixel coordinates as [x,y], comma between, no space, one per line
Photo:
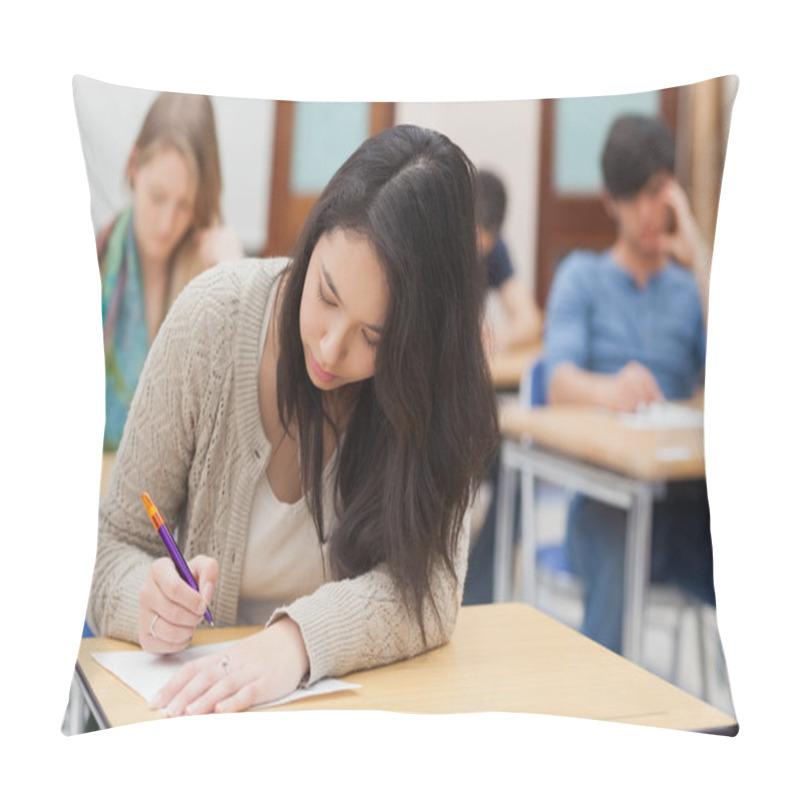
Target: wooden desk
[508,368]
[501,658]
[596,436]
[588,450]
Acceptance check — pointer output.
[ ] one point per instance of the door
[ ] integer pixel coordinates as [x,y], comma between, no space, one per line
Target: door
[312,140]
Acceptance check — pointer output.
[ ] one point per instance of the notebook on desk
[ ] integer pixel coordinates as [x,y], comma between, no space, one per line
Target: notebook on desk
[662,416]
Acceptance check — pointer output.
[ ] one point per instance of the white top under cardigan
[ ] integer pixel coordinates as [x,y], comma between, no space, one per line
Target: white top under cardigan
[283,558]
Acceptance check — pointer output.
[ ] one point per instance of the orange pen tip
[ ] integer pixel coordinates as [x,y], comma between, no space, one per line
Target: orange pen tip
[152,511]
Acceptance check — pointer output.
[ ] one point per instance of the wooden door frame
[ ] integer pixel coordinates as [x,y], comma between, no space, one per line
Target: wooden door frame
[287,212]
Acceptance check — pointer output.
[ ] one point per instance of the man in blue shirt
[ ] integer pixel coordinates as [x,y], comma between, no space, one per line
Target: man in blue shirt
[626,328]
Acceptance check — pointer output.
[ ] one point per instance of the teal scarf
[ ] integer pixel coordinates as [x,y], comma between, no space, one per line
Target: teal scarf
[124,322]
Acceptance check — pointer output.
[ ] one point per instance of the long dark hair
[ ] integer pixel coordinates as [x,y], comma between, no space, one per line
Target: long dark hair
[413,447]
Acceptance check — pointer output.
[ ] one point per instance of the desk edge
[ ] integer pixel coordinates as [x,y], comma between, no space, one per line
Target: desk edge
[722,730]
[91,699]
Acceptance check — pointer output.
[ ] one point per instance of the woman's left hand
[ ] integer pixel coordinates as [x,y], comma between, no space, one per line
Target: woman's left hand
[258,669]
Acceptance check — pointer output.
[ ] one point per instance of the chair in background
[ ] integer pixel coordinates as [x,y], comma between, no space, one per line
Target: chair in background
[552,569]
[531,386]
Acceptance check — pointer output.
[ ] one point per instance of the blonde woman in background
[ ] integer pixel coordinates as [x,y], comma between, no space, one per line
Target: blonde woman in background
[171,232]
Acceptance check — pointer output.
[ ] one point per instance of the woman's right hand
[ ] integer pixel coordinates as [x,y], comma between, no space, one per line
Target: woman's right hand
[169,609]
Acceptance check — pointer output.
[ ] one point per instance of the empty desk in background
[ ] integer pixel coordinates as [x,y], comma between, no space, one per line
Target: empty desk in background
[590,451]
[500,658]
[508,368]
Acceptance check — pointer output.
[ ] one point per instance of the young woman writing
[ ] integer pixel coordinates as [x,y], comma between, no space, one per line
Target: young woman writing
[315,431]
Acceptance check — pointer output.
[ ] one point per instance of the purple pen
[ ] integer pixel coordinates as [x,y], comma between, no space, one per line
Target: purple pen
[172,547]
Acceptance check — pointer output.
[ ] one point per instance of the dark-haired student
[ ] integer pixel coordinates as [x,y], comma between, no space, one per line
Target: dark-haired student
[521,326]
[522,323]
[626,327]
[314,429]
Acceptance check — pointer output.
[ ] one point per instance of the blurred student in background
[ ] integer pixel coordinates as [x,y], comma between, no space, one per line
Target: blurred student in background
[523,322]
[171,232]
[626,327]
[522,326]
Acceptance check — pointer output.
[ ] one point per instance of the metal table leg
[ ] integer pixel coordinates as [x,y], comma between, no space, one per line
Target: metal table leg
[526,461]
[504,533]
[76,713]
[529,536]
[637,570]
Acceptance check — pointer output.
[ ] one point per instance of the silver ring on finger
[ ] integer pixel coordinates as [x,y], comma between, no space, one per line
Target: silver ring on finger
[152,626]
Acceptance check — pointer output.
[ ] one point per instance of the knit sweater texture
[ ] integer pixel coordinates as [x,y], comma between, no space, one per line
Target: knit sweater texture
[194,440]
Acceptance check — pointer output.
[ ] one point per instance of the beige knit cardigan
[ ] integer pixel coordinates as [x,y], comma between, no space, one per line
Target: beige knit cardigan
[194,441]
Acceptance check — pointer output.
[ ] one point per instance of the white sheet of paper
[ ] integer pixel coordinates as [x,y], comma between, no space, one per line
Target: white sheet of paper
[146,673]
[677,453]
[663,416]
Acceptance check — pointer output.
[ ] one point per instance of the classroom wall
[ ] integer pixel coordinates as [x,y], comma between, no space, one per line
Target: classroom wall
[502,136]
